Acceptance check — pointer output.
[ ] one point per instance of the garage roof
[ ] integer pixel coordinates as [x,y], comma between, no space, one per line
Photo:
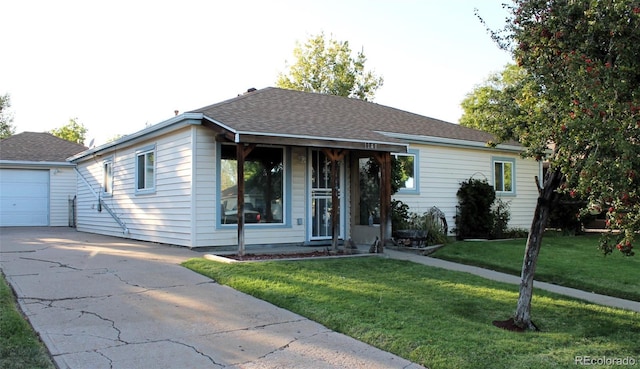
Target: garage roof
[38,147]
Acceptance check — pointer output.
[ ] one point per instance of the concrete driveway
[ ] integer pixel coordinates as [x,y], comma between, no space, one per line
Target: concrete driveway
[105,302]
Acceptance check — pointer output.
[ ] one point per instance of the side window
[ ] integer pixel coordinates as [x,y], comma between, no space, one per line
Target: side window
[406,164]
[145,170]
[107,177]
[504,175]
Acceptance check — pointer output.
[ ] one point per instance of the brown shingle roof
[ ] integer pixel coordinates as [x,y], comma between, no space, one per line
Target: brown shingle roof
[278,111]
[37,146]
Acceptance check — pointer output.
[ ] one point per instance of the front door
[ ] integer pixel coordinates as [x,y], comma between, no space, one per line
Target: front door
[320,196]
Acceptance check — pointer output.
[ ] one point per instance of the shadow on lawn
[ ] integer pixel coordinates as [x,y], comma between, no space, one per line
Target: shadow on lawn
[402,304]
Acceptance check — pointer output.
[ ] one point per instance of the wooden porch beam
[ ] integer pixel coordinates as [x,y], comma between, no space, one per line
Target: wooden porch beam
[384,160]
[242,152]
[335,155]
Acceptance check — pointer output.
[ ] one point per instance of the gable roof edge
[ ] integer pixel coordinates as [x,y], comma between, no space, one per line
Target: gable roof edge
[444,141]
[151,131]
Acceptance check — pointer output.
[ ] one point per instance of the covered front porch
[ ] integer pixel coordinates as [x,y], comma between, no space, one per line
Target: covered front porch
[331,186]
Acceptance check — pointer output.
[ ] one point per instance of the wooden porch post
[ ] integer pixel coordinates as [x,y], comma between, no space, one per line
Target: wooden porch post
[335,156]
[384,160]
[241,154]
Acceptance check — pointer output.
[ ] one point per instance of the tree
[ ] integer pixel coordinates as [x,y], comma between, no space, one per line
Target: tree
[506,100]
[115,137]
[576,103]
[72,131]
[328,67]
[6,118]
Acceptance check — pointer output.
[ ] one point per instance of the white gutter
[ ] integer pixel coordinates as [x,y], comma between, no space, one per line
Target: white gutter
[35,164]
[218,123]
[451,142]
[157,129]
[125,230]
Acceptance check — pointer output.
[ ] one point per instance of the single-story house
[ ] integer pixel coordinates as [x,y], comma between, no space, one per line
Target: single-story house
[283,158]
[36,181]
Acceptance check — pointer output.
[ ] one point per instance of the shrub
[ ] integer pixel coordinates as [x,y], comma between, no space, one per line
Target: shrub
[566,215]
[399,215]
[432,221]
[501,216]
[474,218]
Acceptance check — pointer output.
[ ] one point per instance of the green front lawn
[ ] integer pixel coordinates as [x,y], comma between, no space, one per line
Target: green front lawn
[434,317]
[19,345]
[568,261]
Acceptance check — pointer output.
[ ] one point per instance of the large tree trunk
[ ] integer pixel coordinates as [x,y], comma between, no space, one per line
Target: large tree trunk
[547,199]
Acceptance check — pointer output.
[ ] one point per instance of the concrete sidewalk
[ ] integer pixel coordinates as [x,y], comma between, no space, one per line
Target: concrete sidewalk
[507,278]
[105,302]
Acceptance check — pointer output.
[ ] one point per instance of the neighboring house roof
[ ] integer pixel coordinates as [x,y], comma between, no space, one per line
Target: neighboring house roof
[37,147]
[275,111]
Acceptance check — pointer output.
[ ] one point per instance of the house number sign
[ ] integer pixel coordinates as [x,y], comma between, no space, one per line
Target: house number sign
[370,145]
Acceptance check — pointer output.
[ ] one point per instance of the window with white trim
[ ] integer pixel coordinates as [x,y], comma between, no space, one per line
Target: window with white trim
[407,166]
[107,177]
[145,170]
[504,175]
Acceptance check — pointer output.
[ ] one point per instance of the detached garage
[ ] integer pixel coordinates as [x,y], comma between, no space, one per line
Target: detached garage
[36,181]
[24,197]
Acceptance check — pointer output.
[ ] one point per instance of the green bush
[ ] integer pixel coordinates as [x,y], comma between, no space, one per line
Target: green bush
[431,221]
[474,218]
[567,216]
[399,215]
[501,216]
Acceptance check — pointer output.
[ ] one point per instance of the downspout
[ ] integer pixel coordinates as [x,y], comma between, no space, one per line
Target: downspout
[101,203]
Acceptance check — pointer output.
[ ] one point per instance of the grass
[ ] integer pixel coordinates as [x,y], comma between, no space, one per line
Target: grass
[438,318]
[19,344]
[564,260]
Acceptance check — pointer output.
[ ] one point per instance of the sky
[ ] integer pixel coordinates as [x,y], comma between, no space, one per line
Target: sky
[117,66]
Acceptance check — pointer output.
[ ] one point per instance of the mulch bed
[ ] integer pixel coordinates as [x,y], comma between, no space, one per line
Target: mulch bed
[510,325]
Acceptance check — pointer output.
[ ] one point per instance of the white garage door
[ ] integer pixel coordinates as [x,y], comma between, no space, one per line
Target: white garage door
[24,197]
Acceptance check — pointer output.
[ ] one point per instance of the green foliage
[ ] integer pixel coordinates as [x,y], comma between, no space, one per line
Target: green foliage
[115,137]
[568,216]
[474,218]
[580,92]
[400,215]
[328,67]
[432,221]
[500,216]
[431,316]
[72,131]
[369,177]
[19,344]
[6,118]
[370,185]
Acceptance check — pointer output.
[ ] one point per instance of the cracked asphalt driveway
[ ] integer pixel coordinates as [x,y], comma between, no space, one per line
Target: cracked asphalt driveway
[106,302]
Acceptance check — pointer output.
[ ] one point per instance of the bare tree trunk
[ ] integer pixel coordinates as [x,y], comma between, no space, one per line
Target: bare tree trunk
[547,199]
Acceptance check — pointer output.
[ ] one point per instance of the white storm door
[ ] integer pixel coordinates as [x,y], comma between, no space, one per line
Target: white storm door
[320,196]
